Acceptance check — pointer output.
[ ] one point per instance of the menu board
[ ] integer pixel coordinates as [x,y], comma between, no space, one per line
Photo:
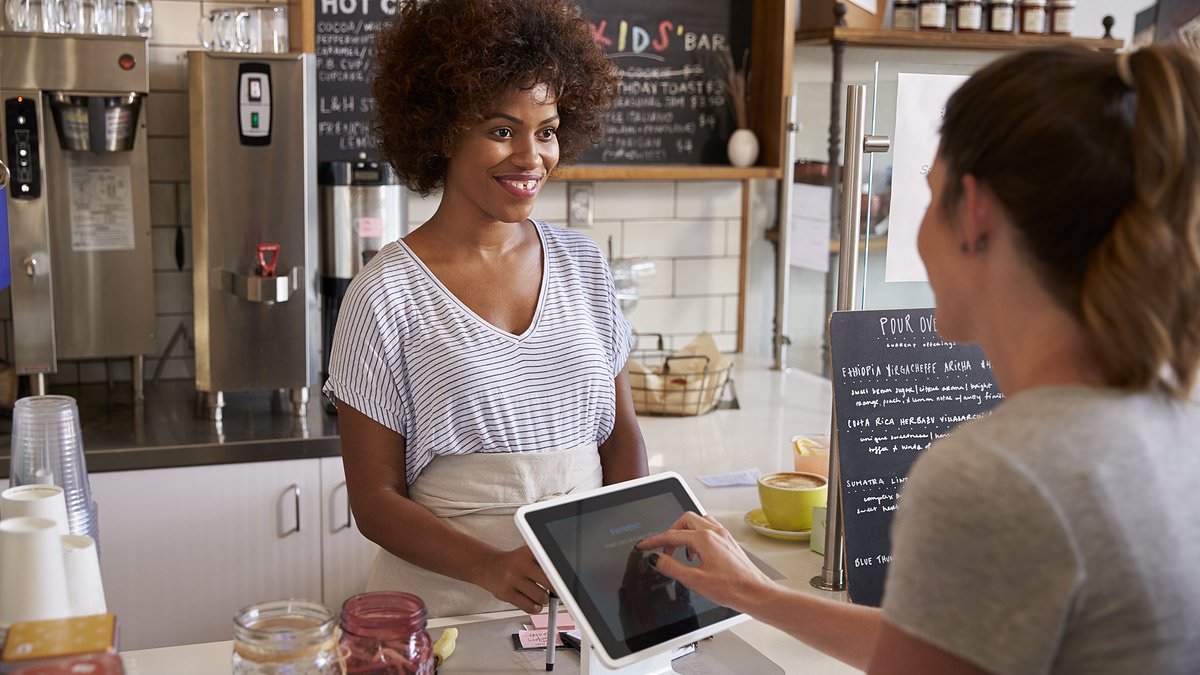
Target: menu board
[897,387]
[345,43]
[671,107]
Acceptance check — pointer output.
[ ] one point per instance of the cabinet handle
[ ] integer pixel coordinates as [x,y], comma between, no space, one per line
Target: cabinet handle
[295,489]
[349,515]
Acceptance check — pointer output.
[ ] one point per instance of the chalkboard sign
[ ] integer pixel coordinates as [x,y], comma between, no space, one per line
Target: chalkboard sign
[345,43]
[671,106]
[897,387]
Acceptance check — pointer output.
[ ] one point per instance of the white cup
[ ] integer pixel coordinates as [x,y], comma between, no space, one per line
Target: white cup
[85,590]
[37,501]
[33,578]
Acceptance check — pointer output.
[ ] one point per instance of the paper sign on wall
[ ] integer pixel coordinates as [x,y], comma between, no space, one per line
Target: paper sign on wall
[101,208]
[808,242]
[920,105]
[871,6]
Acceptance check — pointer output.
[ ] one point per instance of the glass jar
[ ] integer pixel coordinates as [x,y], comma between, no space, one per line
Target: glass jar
[1033,17]
[285,637]
[904,15]
[933,15]
[383,633]
[1001,16]
[968,16]
[1062,14]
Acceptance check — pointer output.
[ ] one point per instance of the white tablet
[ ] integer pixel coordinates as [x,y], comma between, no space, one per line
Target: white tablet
[626,609]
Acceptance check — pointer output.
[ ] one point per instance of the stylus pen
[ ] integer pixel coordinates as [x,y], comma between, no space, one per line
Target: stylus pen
[551,631]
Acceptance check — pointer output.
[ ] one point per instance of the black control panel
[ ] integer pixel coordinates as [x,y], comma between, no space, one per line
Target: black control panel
[24,161]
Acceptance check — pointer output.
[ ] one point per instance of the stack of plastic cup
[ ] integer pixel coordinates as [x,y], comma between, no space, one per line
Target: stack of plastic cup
[47,448]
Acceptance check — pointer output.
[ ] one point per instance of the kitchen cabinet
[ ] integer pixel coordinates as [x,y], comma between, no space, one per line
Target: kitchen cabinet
[182,549]
[346,555]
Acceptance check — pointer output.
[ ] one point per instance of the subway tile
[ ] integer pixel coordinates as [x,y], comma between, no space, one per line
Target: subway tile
[729,323]
[172,292]
[624,200]
[421,209]
[551,204]
[175,24]
[164,204]
[708,199]
[733,237]
[164,330]
[600,232]
[706,276]
[167,114]
[185,204]
[676,315]
[168,69]
[168,159]
[673,238]
[164,248]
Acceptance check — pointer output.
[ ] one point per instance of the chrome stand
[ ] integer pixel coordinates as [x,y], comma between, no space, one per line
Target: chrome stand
[783,268]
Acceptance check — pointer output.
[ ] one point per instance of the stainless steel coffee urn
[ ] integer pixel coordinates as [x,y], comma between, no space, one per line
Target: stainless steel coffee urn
[363,207]
[254,224]
[78,200]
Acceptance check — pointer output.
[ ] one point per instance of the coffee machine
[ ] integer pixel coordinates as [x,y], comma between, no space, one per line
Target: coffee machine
[254,224]
[78,200]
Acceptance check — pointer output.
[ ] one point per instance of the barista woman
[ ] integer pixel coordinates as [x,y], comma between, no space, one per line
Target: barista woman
[479,363]
[1059,534]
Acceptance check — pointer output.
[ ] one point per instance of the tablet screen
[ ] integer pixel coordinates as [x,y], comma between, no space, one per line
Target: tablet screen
[630,605]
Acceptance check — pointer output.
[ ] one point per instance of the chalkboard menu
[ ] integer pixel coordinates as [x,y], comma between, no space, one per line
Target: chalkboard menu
[345,43]
[671,106]
[897,387]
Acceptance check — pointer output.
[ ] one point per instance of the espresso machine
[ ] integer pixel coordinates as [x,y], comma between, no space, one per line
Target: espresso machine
[254,224]
[78,200]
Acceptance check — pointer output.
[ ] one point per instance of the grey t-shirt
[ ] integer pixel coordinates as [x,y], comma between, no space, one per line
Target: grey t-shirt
[1060,534]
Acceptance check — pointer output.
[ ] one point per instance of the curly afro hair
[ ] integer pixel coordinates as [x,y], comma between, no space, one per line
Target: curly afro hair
[442,64]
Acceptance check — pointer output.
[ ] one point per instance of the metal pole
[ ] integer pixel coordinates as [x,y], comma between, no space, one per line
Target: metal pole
[833,573]
[783,269]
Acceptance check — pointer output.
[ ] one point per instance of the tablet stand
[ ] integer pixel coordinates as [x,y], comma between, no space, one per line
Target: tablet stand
[590,664]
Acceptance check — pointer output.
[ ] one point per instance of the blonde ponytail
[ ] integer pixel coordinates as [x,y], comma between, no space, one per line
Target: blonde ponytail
[1140,296]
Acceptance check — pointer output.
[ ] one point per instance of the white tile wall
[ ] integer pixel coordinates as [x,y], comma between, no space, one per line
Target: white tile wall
[674,238]
[624,201]
[706,276]
[677,316]
[708,199]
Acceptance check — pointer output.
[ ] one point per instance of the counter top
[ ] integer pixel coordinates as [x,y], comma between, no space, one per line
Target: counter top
[169,430]
[774,407]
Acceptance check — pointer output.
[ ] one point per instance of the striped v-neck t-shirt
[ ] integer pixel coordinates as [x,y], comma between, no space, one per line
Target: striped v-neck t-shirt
[411,356]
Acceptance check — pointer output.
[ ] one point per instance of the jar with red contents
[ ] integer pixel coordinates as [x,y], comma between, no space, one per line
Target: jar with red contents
[384,634]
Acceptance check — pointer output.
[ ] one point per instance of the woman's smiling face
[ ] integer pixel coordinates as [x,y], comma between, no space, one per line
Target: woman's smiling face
[501,163]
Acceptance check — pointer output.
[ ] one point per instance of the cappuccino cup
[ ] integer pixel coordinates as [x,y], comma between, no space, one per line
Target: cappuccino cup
[788,498]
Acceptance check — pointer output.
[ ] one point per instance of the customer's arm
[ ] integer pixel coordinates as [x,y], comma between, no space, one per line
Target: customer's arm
[854,634]
[623,453]
[375,478]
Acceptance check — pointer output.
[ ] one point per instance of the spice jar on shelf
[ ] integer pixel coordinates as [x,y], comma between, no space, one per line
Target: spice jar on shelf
[904,14]
[968,16]
[933,15]
[1062,15]
[285,637]
[1033,17]
[1001,16]
[384,632]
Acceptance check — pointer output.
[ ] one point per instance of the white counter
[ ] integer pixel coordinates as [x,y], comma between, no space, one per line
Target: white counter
[774,407]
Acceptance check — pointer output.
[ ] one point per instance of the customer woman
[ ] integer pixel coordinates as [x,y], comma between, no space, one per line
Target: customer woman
[1060,533]
[479,363]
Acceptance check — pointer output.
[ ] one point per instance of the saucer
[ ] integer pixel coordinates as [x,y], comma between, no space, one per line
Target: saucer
[757,520]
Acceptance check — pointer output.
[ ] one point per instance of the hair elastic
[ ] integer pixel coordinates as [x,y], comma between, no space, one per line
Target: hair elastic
[1124,69]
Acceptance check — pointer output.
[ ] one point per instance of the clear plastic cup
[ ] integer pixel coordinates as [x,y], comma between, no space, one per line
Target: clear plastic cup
[47,448]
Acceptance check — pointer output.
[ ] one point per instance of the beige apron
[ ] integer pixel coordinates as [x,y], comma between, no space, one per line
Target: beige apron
[478,494]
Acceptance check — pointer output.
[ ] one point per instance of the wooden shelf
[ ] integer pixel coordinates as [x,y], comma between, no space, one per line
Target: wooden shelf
[586,172]
[871,37]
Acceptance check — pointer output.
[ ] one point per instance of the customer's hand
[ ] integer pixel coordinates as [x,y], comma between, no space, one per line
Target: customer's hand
[515,577]
[725,575]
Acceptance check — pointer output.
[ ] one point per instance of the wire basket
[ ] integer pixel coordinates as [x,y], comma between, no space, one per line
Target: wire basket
[678,385]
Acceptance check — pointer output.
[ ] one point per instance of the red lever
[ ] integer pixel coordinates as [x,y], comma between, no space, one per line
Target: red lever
[266,268]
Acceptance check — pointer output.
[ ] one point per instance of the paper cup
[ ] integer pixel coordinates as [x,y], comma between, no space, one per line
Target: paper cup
[33,579]
[35,501]
[85,590]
